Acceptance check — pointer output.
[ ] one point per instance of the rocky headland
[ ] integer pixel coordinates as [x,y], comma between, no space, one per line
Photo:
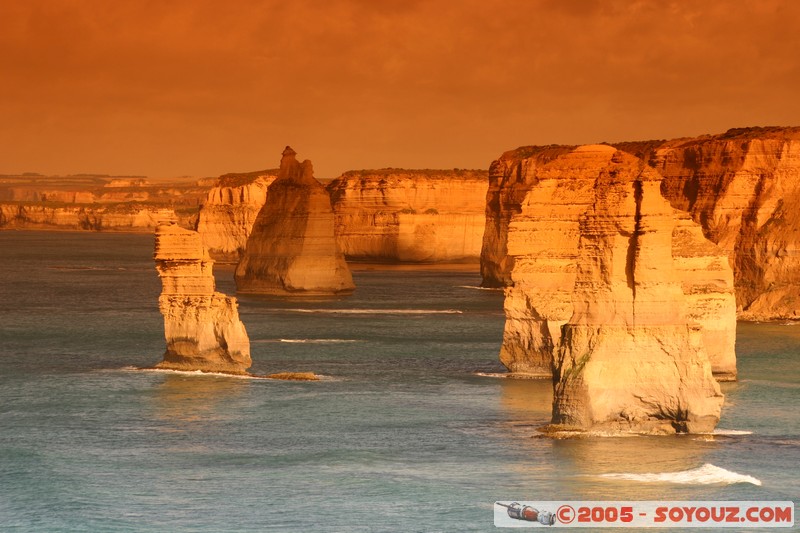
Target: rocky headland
[201,326]
[292,249]
[229,211]
[414,216]
[629,358]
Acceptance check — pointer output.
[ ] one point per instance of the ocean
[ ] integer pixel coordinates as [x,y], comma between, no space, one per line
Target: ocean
[400,435]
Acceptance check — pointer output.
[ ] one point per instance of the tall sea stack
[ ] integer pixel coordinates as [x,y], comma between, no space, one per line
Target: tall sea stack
[543,238]
[629,359]
[292,249]
[201,326]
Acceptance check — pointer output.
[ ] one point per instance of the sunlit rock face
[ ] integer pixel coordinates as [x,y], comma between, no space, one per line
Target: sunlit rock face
[629,359]
[292,249]
[201,326]
[744,188]
[132,218]
[510,177]
[543,247]
[229,211]
[397,215]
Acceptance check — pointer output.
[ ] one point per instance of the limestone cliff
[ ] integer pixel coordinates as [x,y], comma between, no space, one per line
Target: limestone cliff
[201,326]
[96,203]
[229,211]
[543,247]
[510,177]
[396,215]
[742,187]
[126,217]
[292,248]
[629,358]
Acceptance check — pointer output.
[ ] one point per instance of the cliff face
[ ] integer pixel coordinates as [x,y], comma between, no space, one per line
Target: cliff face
[544,245]
[201,326]
[94,218]
[629,358]
[292,248]
[510,177]
[95,203]
[229,211]
[742,187]
[410,215]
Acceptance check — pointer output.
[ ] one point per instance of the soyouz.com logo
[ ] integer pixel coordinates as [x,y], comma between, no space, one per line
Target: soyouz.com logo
[594,514]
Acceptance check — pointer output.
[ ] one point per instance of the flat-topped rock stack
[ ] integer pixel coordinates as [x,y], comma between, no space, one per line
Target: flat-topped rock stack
[629,359]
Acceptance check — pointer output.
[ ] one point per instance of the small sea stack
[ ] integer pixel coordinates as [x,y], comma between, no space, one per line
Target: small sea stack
[292,249]
[201,326]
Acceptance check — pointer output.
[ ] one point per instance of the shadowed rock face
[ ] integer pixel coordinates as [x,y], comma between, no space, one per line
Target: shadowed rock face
[201,326]
[543,246]
[292,248]
[629,359]
[744,188]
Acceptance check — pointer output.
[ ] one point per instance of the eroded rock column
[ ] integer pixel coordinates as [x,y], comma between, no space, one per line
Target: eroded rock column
[630,359]
[201,326]
[292,249]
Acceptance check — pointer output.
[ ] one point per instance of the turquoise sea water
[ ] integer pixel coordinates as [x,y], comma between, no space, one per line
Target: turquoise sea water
[402,436]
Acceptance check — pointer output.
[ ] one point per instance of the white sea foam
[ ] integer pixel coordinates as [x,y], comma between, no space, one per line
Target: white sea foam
[707,474]
[318,341]
[731,432]
[190,373]
[304,341]
[500,375]
[479,288]
[380,311]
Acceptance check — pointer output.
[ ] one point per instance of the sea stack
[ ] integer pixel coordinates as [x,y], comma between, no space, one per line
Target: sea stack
[629,359]
[543,246]
[292,249]
[201,326]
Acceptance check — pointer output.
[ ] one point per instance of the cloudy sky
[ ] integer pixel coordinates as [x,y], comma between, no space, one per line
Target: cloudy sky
[202,87]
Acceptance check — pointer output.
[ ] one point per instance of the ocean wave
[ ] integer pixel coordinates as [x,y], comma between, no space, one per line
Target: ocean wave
[732,432]
[86,268]
[380,311]
[707,474]
[321,377]
[306,341]
[191,373]
[479,288]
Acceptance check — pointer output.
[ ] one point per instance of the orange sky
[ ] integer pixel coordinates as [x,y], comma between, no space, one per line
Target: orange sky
[201,87]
